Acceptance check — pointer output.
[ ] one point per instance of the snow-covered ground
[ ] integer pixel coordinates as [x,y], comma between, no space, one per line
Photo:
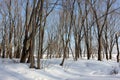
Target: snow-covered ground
[72,70]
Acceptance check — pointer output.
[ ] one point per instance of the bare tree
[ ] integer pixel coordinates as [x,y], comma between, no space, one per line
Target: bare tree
[78,31]
[67,29]
[100,23]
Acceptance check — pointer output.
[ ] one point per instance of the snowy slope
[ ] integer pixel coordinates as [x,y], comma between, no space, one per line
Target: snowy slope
[79,70]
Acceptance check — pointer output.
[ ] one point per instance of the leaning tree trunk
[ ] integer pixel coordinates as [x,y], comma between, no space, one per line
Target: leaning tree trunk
[24,50]
[64,53]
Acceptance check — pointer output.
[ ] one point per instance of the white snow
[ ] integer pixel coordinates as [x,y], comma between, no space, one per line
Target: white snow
[72,70]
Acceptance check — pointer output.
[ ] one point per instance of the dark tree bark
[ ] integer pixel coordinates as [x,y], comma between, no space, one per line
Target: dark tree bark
[24,50]
[116,36]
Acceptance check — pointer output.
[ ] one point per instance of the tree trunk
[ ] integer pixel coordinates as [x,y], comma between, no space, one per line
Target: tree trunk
[99,49]
[24,52]
[110,54]
[117,47]
[32,52]
[64,55]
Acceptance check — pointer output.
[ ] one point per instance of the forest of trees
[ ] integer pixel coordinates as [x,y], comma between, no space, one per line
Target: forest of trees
[31,29]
